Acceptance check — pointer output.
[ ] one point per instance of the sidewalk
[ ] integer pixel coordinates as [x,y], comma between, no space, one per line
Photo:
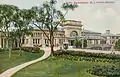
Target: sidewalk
[11,71]
[94,51]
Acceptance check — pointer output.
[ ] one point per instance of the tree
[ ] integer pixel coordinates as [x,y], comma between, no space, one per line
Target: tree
[85,43]
[80,43]
[117,45]
[48,17]
[22,27]
[6,23]
[14,24]
[76,42]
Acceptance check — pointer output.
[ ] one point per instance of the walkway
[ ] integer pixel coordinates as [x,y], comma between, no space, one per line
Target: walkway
[94,51]
[11,71]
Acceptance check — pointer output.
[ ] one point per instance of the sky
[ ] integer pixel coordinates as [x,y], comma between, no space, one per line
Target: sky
[96,17]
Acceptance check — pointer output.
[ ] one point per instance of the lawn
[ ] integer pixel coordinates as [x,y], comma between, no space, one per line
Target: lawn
[16,59]
[58,67]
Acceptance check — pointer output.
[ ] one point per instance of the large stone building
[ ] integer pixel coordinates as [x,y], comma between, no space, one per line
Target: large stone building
[69,31]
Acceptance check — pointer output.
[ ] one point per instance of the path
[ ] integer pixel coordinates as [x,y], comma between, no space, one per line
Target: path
[94,51]
[90,50]
[11,71]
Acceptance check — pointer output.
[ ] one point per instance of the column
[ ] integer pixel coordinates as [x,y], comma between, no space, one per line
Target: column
[30,41]
[43,39]
[82,43]
[93,41]
[98,41]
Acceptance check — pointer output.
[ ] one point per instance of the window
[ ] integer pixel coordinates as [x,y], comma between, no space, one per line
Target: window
[33,41]
[46,41]
[90,41]
[23,41]
[96,41]
[26,41]
[55,41]
[113,37]
[74,33]
[61,35]
[60,41]
[38,41]
[37,34]
[34,34]
[116,37]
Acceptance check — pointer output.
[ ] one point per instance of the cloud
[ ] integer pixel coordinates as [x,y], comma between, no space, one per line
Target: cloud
[110,11]
[99,14]
[3,1]
[96,17]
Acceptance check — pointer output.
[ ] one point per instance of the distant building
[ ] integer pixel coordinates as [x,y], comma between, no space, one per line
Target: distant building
[110,39]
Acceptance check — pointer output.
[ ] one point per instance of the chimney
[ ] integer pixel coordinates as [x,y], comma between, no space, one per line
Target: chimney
[107,31]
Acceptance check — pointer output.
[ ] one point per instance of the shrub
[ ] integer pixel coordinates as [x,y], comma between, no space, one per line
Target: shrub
[76,43]
[85,43]
[87,56]
[31,49]
[117,45]
[36,49]
[65,46]
[1,49]
[108,71]
[15,48]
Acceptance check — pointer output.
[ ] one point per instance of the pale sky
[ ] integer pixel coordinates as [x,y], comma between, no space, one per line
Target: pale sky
[95,17]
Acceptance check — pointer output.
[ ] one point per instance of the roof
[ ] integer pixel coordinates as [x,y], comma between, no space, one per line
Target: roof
[72,20]
[72,23]
[88,37]
[48,30]
[110,34]
[88,31]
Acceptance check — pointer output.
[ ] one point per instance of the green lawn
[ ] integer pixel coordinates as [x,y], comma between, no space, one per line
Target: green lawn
[16,59]
[58,68]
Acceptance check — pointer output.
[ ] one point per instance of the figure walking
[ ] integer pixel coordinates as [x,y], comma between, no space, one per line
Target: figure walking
[112,50]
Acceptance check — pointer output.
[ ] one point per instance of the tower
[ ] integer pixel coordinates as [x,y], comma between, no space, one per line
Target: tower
[72,29]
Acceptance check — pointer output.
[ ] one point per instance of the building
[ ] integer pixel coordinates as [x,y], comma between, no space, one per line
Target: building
[110,38]
[39,38]
[70,30]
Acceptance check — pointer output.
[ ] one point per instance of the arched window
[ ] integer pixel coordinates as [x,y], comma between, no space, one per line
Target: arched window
[73,34]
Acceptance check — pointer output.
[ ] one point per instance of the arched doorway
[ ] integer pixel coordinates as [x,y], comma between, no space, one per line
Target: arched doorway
[73,35]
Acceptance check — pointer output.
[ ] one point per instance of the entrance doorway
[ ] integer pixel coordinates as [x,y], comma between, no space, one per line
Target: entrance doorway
[72,42]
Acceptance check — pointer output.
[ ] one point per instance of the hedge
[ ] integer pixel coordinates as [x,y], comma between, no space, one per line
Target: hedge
[107,71]
[88,54]
[31,49]
[1,49]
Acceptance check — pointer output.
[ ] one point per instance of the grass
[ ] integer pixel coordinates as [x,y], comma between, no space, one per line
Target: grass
[16,59]
[59,67]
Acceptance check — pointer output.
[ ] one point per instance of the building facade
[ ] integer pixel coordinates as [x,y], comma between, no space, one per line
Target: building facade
[39,38]
[70,30]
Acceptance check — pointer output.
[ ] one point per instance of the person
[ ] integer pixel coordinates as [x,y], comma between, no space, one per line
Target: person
[112,50]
